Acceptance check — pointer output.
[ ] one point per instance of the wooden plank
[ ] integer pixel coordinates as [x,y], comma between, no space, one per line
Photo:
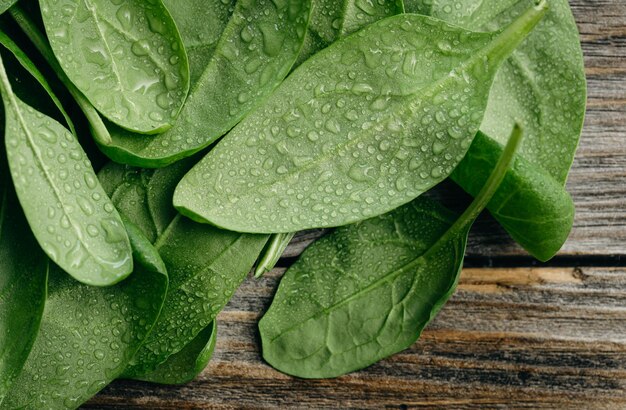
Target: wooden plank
[534,337]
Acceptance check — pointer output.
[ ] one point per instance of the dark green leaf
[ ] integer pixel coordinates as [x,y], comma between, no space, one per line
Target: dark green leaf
[531,205]
[254,53]
[70,214]
[88,335]
[23,275]
[364,126]
[126,57]
[205,264]
[186,365]
[367,290]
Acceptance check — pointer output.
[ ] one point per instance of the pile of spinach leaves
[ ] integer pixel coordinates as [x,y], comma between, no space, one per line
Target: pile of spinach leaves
[234,124]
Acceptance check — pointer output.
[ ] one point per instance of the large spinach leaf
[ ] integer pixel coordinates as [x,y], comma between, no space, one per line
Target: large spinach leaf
[88,336]
[126,57]
[255,52]
[338,145]
[205,264]
[367,290]
[23,275]
[70,214]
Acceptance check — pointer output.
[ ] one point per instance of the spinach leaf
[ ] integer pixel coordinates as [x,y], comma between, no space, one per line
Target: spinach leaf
[335,145]
[531,205]
[254,53]
[206,265]
[23,276]
[542,84]
[332,19]
[6,4]
[127,58]
[32,69]
[418,6]
[366,291]
[186,365]
[72,218]
[88,335]
[30,28]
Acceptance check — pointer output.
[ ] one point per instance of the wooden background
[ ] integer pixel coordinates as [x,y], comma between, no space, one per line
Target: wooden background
[516,334]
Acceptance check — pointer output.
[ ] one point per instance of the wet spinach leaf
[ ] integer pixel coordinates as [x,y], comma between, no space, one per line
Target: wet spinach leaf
[367,290]
[333,19]
[187,364]
[70,214]
[364,126]
[541,85]
[6,4]
[88,336]
[23,276]
[205,264]
[127,58]
[255,52]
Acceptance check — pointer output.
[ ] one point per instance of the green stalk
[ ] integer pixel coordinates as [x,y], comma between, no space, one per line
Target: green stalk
[272,253]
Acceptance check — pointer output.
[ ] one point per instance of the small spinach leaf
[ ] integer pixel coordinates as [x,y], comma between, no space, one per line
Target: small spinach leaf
[72,218]
[254,53]
[532,206]
[127,58]
[338,145]
[366,291]
[23,276]
[205,264]
[186,365]
[88,335]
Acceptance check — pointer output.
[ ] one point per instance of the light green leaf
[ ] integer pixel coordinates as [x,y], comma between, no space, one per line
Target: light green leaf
[255,52]
[542,85]
[126,57]
[205,264]
[364,126]
[72,218]
[367,290]
[6,4]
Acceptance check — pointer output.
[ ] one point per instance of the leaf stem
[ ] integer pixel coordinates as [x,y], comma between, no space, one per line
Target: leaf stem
[98,129]
[272,253]
[490,187]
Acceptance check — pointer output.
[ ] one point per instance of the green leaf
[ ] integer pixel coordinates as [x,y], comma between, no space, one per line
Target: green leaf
[23,276]
[254,53]
[6,4]
[127,58]
[332,19]
[186,365]
[205,264]
[419,6]
[367,290]
[361,128]
[32,69]
[542,85]
[72,218]
[273,251]
[88,335]
[531,205]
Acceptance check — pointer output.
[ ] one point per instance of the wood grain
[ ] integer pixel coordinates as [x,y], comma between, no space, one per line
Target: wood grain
[543,337]
[532,337]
